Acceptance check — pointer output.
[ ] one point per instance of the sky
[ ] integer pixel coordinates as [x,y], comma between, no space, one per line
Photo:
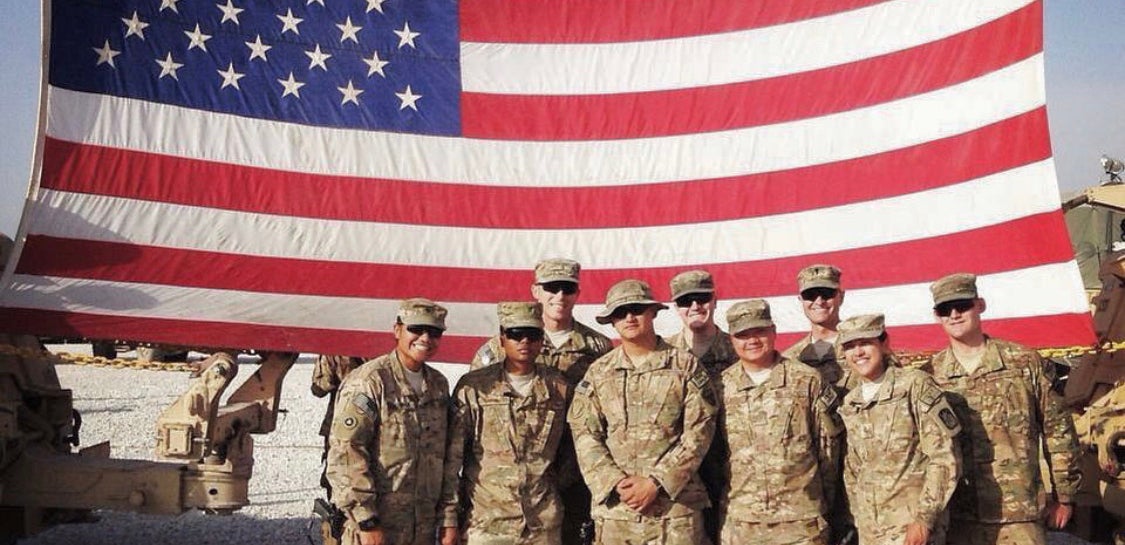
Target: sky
[1085,65]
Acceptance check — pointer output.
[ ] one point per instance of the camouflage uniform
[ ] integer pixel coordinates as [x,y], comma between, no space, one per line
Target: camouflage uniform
[901,464]
[387,452]
[1007,406]
[719,356]
[831,368]
[508,445]
[572,358]
[653,418]
[328,373]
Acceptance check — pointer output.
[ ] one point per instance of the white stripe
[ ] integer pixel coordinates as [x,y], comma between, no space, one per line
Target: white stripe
[1057,288]
[983,202]
[731,57]
[182,132]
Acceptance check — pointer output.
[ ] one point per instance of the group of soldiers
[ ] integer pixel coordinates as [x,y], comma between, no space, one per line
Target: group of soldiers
[555,436]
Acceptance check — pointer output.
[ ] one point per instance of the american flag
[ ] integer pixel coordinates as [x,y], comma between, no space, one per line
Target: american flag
[278,174]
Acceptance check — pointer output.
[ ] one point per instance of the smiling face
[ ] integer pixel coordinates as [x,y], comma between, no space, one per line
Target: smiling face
[416,344]
[866,357]
[822,306]
[755,346]
[696,310]
[634,323]
[522,344]
[558,304]
[961,319]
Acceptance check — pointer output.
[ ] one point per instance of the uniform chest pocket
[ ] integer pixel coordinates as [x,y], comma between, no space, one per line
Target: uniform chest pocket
[893,421]
[664,401]
[546,426]
[789,420]
[1005,401]
[495,427]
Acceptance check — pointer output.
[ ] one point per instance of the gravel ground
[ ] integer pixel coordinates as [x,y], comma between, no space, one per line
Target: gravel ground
[121,406]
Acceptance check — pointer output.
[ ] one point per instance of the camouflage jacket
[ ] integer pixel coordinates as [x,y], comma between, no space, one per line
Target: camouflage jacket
[1008,409]
[652,418]
[387,449]
[572,358]
[902,462]
[719,355]
[506,446]
[328,373]
[831,368]
[781,444]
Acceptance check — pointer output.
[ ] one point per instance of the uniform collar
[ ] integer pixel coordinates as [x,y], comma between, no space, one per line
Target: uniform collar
[947,366]
[779,375]
[657,359]
[885,392]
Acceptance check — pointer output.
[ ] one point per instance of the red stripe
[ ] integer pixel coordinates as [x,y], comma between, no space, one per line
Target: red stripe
[145,176]
[1018,244]
[601,21]
[1040,331]
[913,71]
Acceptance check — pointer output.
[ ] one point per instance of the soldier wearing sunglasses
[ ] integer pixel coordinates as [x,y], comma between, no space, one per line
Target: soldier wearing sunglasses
[508,425]
[821,297]
[386,457]
[1002,394]
[642,420]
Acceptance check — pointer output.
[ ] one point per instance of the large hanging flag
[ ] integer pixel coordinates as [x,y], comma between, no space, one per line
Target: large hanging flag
[278,174]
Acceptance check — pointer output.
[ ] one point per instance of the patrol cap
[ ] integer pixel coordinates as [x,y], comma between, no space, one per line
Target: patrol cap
[864,326]
[520,314]
[818,276]
[748,314]
[557,270]
[954,287]
[626,292]
[421,311]
[689,282]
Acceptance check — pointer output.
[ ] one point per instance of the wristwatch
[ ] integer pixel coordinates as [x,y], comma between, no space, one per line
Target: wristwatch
[369,524]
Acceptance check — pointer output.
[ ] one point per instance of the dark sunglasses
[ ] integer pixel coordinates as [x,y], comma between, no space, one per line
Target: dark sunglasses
[625,310]
[567,288]
[520,333]
[960,305]
[420,330]
[685,301]
[812,294]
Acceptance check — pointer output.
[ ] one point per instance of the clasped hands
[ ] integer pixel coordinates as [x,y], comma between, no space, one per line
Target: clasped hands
[639,493]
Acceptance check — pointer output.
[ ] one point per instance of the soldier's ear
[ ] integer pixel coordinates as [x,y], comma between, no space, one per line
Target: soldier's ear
[841,294]
[981,305]
[397,330]
[535,289]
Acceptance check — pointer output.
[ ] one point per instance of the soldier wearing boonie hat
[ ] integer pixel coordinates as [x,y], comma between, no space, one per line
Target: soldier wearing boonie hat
[999,500]
[372,432]
[820,295]
[781,478]
[902,462]
[505,434]
[645,484]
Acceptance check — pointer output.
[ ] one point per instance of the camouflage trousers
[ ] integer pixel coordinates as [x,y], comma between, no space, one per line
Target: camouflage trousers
[652,531]
[543,537]
[964,532]
[799,532]
[392,535]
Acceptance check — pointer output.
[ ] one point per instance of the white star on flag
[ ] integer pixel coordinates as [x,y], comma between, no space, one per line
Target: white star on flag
[408,99]
[230,13]
[198,38]
[134,26]
[169,4]
[406,36]
[289,22]
[351,94]
[168,67]
[258,49]
[292,86]
[348,31]
[230,77]
[376,5]
[317,58]
[311,2]
[375,64]
[106,54]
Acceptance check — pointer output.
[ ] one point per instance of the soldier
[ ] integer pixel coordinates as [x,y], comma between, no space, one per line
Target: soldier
[570,346]
[779,426]
[507,429]
[820,297]
[388,440]
[902,463]
[642,420]
[328,373]
[1002,393]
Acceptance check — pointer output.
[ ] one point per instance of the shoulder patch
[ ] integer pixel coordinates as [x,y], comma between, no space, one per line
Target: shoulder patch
[485,354]
[828,396]
[366,405]
[583,388]
[945,414]
[701,379]
[929,396]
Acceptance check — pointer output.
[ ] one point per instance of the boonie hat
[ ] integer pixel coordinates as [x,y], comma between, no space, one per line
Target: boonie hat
[557,270]
[690,282]
[626,292]
[864,326]
[818,276]
[520,314]
[748,314]
[954,287]
[421,311]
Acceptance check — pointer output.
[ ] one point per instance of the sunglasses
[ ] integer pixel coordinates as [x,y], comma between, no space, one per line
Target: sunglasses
[812,294]
[520,333]
[700,299]
[960,305]
[420,330]
[567,288]
[625,310]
